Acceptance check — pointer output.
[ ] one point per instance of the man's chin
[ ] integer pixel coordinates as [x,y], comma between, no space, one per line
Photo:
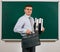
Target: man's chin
[29,14]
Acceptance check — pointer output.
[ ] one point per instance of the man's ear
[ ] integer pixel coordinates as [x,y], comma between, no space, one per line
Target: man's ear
[24,10]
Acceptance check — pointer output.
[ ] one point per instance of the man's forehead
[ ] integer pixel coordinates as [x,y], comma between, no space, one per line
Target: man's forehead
[28,7]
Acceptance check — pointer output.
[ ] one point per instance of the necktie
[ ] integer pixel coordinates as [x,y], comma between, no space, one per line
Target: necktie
[31,24]
[30,20]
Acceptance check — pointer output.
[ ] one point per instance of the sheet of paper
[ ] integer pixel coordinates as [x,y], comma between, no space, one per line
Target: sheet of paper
[41,21]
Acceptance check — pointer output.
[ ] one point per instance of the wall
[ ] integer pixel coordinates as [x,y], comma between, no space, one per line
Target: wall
[16,46]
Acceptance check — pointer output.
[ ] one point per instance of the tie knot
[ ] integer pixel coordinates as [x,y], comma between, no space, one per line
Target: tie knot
[29,17]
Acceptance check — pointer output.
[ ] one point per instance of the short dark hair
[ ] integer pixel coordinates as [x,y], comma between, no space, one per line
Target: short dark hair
[28,6]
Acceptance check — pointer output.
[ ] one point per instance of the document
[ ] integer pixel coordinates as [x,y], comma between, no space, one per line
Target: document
[41,22]
[38,24]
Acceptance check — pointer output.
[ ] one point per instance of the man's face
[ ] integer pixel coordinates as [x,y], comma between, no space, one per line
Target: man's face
[28,10]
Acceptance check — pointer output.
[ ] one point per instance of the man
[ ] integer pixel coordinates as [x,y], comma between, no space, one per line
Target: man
[25,26]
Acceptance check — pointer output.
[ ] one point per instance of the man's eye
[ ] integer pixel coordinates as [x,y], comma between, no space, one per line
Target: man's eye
[27,9]
[30,9]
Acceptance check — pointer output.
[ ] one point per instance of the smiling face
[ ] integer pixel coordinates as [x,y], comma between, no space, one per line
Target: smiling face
[28,10]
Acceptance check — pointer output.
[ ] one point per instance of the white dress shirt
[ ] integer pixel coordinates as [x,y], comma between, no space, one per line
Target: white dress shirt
[23,24]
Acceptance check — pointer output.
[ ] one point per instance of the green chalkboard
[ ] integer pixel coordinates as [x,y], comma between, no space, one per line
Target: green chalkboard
[11,11]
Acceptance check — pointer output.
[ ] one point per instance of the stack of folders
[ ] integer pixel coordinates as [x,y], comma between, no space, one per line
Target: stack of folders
[38,25]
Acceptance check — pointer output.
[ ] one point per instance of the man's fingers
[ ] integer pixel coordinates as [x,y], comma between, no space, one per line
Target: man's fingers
[28,31]
[43,29]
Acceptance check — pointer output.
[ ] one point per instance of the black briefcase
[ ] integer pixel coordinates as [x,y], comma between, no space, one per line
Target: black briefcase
[30,40]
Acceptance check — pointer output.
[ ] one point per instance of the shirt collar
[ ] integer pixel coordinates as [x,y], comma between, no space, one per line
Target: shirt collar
[27,15]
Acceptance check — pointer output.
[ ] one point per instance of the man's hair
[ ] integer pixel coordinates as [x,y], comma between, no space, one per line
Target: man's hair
[28,6]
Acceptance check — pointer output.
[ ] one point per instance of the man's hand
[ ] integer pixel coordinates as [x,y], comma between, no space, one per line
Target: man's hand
[43,29]
[28,31]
